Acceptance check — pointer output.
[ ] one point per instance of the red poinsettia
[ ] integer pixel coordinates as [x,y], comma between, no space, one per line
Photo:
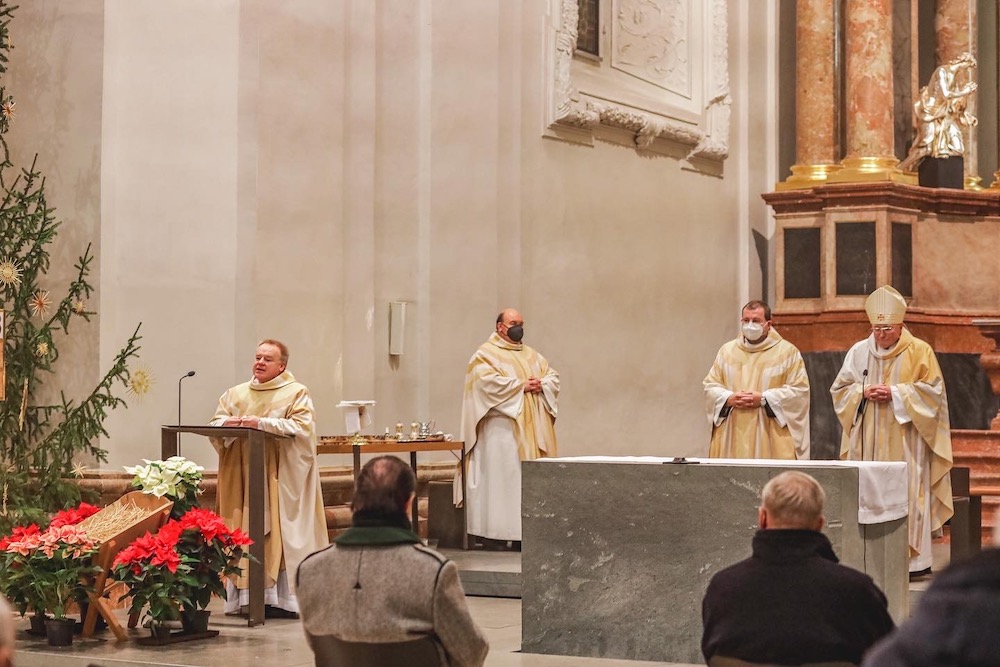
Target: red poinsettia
[18,534]
[73,516]
[182,565]
[47,570]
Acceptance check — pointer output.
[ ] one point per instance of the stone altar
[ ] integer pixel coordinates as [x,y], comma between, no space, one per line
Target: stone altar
[617,553]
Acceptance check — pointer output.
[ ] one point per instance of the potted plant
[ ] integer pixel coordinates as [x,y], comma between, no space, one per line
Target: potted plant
[19,589]
[214,552]
[55,566]
[175,478]
[175,572]
[158,579]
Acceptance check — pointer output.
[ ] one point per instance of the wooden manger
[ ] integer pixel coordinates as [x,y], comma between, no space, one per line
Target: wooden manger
[114,528]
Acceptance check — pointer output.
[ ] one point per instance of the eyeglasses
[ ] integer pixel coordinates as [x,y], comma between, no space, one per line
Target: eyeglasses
[885,329]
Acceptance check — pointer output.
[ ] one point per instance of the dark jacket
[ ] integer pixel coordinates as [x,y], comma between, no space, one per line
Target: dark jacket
[957,620]
[792,603]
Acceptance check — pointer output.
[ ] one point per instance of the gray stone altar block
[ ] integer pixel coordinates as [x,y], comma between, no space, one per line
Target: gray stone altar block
[617,556]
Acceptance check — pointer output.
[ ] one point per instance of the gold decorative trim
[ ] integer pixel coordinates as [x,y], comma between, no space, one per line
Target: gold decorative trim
[871,170]
[995,185]
[974,183]
[805,176]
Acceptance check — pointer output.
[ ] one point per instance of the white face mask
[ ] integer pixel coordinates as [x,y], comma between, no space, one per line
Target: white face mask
[752,331]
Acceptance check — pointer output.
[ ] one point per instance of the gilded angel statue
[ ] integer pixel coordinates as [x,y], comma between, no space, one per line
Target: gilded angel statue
[940,112]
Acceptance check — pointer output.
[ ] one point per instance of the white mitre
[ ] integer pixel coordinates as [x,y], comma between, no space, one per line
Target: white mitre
[885,306]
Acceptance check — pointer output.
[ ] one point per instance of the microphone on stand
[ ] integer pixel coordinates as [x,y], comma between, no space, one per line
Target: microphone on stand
[186,375]
[861,412]
[864,401]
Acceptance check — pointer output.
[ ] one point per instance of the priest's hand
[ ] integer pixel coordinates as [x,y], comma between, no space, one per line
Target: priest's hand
[532,386]
[878,393]
[250,422]
[744,399]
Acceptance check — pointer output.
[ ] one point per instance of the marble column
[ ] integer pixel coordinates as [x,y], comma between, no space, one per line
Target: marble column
[955,27]
[817,150]
[869,154]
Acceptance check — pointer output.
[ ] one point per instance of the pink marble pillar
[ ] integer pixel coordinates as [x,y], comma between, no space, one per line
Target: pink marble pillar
[868,106]
[955,27]
[869,101]
[817,150]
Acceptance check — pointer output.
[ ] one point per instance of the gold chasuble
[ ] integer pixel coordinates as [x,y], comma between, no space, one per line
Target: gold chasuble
[773,368]
[294,522]
[913,427]
[494,389]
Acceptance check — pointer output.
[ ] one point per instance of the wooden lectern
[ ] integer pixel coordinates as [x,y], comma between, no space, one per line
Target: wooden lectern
[255,438]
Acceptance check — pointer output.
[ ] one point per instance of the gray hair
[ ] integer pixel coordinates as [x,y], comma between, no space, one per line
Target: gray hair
[794,499]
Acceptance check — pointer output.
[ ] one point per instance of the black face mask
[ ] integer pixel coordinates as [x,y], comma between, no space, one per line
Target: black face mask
[515,333]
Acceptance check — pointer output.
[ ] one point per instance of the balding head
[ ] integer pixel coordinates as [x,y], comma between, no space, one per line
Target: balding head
[509,319]
[792,500]
[385,487]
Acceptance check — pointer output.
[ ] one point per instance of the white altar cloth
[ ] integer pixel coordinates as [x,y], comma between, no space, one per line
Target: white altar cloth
[882,487]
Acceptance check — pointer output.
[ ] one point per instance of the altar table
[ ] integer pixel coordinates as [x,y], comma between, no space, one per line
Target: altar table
[618,552]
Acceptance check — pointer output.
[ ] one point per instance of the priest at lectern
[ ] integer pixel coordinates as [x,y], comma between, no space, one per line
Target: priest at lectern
[294,523]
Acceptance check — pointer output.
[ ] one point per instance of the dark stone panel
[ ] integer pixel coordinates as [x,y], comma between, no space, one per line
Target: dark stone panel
[824,429]
[902,258]
[802,256]
[971,403]
[855,258]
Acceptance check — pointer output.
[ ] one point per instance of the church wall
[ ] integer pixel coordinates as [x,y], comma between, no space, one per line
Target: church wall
[171,251]
[288,169]
[55,76]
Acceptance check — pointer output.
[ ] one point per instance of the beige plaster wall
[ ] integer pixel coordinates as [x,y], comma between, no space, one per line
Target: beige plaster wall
[55,76]
[288,169]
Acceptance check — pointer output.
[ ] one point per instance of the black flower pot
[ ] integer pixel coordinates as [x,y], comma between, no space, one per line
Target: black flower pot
[59,631]
[37,626]
[195,620]
[160,631]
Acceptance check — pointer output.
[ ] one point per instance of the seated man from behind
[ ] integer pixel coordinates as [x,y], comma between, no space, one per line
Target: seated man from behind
[955,623]
[791,602]
[377,584]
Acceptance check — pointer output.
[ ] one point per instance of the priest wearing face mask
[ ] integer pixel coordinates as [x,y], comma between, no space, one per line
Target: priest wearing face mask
[508,416]
[891,402]
[757,393]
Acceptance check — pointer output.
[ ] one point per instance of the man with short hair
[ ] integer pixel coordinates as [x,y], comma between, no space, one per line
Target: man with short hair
[508,416]
[295,524]
[792,602]
[757,393]
[377,584]
[891,401]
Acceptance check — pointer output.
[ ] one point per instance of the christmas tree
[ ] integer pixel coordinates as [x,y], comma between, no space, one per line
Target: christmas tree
[39,442]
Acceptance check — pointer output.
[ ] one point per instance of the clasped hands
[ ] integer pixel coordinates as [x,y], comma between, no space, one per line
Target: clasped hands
[251,422]
[744,399]
[532,386]
[878,393]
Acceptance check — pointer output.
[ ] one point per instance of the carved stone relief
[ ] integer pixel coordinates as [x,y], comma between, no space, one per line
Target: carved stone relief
[654,86]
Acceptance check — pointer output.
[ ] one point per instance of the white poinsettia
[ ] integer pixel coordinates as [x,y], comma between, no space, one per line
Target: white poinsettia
[176,478]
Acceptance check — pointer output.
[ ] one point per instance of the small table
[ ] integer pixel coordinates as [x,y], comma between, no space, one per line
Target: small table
[399,447]
[169,436]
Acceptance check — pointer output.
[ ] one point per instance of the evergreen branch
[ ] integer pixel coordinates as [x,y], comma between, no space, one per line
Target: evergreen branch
[85,422]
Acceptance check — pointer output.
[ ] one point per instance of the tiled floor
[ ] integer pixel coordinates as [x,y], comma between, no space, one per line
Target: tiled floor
[281,643]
